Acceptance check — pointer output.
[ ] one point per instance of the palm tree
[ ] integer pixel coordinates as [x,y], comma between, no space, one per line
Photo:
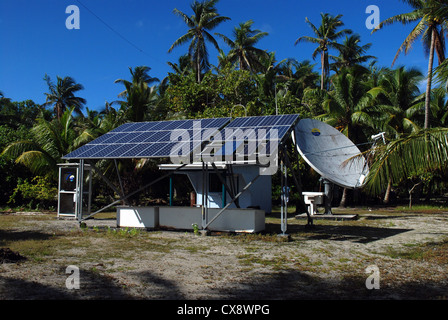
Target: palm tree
[398,93]
[431,27]
[139,75]
[138,94]
[351,53]
[96,124]
[62,95]
[419,153]
[348,106]
[297,76]
[242,48]
[3,103]
[182,67]
[439,107]
[267,81]
[325,37]
[51,141]
[205,18]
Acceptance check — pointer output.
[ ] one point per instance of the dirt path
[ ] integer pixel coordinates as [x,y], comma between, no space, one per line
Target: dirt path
[326,262]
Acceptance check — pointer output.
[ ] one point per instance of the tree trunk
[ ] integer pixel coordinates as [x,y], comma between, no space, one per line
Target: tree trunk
[198,67]
[59,110]
[322,75]
[343,202]
[428,84]
[387,194]
[410,193]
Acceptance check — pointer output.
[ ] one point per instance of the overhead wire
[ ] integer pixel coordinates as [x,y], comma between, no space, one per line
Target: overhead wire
[115,31]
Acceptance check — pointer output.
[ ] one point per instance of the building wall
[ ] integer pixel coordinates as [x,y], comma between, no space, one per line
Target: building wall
[258,195]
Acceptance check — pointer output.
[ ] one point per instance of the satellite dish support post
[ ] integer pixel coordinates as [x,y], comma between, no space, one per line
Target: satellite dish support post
[328,198]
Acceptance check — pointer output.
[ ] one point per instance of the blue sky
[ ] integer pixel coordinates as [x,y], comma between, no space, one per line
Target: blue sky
[34,40]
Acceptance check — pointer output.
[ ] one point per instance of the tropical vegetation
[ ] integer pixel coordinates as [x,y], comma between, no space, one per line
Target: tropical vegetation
[348,90]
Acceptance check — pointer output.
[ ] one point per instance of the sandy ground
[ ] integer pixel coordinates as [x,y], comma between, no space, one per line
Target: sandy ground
[326,262]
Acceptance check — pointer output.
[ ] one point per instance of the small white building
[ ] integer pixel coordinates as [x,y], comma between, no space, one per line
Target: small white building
[258,196]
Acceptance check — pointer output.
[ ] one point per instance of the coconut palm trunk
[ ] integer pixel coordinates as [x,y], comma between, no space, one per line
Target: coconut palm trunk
[198,68]
[386,199]
[322,75]
[428,84]
[343,202]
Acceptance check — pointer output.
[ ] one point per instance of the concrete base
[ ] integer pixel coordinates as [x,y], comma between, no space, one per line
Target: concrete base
[183,218]
[231,220]
[138,217]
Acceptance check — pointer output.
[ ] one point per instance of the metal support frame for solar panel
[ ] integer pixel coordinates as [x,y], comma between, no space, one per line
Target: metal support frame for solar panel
[157,139]
[256,131]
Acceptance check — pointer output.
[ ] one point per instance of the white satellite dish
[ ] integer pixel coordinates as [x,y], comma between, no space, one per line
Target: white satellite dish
[327,150]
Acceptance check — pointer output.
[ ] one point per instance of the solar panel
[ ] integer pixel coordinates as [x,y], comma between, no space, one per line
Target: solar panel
[247,136]
[150,139]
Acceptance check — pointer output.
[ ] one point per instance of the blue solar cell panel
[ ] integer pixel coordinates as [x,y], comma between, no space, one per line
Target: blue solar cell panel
[269,121]
[81,150]
[108,137]
[148,150]
[124,138]
[120,149]
[127,127]
[246,135]
[103,150]
[144,126]
[228,147]
[165,150]
[89,152]
[212,123]
[182,125]
[237,123]
[101,139]
[133,151]
[161,126]
[282,131]
[138,126]
[286,120]
[160,138]
[141,137]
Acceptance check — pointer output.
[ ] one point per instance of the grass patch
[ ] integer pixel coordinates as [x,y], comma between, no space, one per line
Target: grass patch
[34,245]
[277,263]
[83,244]
[430,252]
[421,209]
[251,237]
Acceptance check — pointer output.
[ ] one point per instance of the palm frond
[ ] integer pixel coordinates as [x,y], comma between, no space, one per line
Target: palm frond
[39,163]
[410,156]
[183,39]
[189,22]
[412,36]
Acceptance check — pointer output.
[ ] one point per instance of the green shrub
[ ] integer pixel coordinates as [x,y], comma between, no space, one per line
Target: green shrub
[40,192]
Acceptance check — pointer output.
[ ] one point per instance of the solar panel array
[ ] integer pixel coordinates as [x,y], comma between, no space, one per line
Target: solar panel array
[247,135]
[155,139]
[158,139]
